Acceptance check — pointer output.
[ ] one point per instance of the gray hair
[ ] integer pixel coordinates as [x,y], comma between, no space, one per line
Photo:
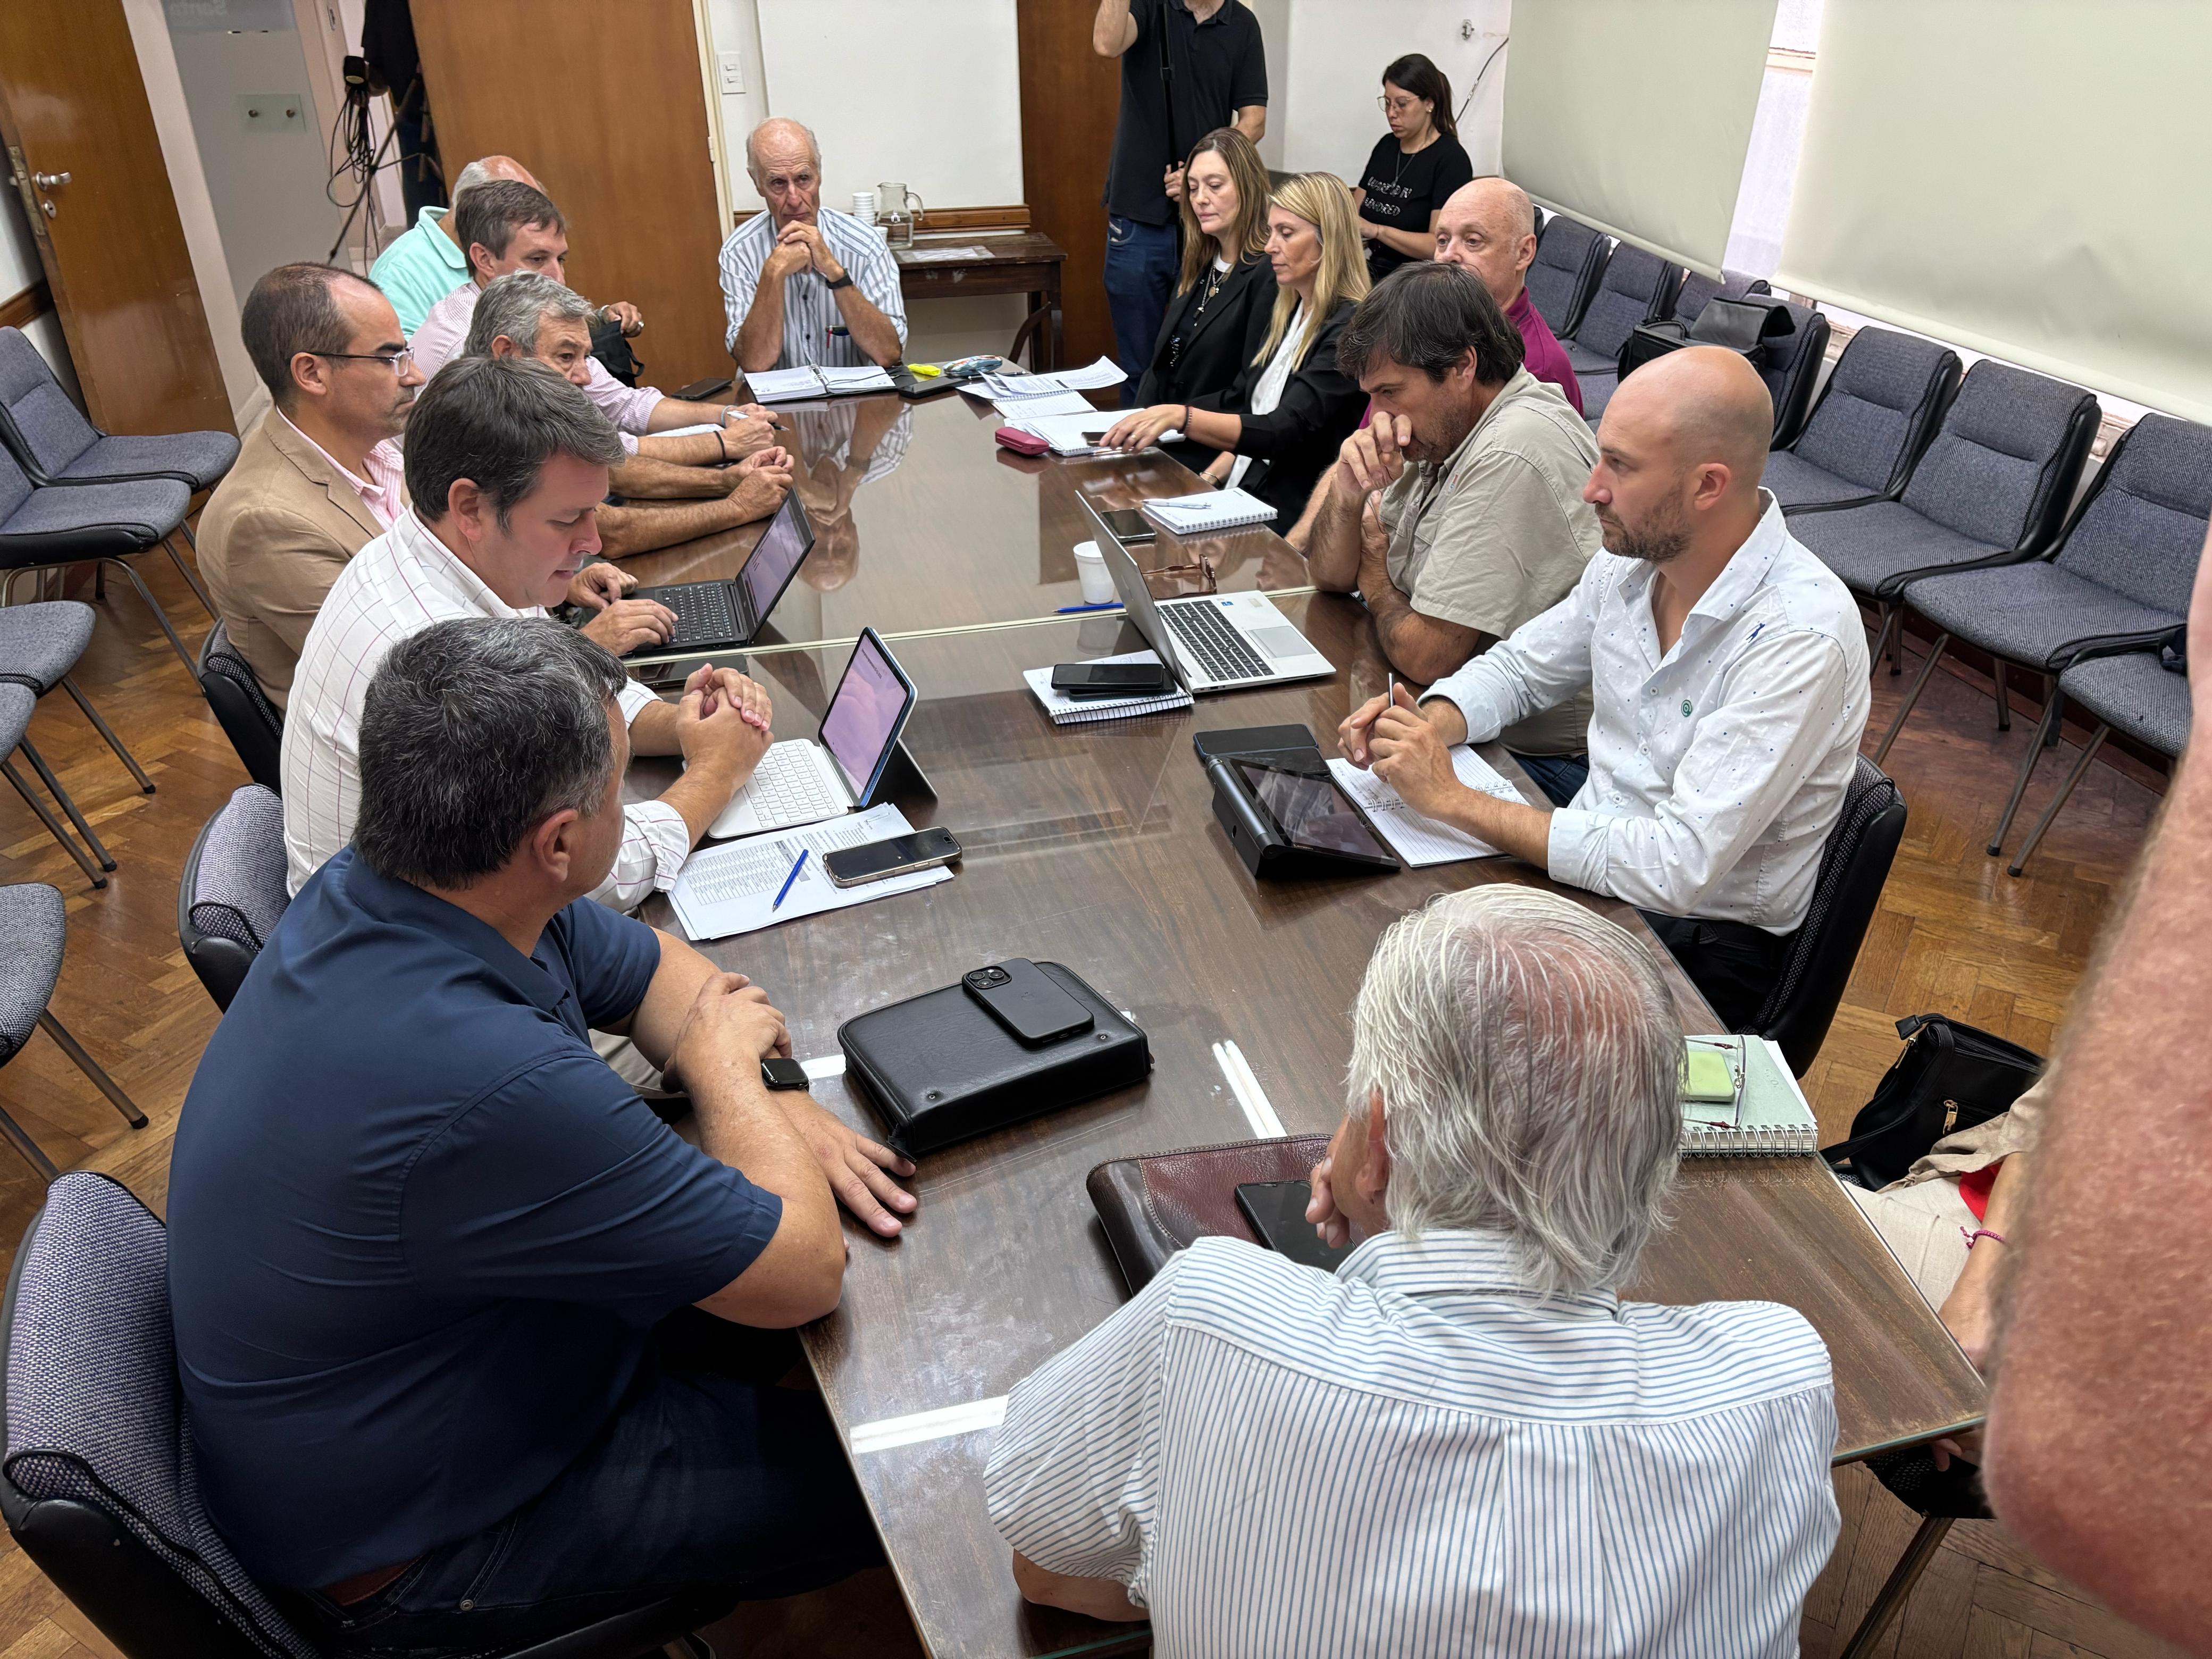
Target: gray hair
[1529,1059]
[472,175]
[495,422]
[517,305]
[752,155]
[472,733]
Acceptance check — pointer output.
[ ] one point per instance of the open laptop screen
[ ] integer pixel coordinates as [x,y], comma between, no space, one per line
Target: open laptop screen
[1136,596]
[866,713]
[776,559]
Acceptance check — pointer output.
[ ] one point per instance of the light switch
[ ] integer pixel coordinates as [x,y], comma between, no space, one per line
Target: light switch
[272,112]
[733,71]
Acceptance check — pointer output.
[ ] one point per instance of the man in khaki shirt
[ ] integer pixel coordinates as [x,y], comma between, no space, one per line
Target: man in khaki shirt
[1457,513]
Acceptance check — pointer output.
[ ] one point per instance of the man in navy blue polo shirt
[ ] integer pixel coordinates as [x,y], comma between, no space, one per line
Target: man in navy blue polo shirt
[434,1264]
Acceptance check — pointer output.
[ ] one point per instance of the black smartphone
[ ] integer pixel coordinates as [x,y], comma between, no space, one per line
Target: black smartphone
[1021,999]
[1129,525]
[1277,1211]
[851,866]
[670,676]
[778,1072]
[1109,679]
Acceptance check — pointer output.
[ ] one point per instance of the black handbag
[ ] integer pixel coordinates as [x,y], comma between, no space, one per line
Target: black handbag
[1950,1077]
[1744,326]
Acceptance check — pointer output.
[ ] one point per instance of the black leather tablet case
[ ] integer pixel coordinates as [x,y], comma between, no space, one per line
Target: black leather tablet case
[939,1068]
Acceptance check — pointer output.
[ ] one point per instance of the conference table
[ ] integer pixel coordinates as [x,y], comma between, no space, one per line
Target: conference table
[1095,845]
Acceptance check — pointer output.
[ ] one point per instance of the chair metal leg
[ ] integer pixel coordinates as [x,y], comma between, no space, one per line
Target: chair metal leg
[34,1154]
[2020,784]
[2053,698]
[85,1063]
[169,546]
[160,615]
[1885,639]
[2035,835]
[1920,684]
[1910,1565]
[1997,683]
[54,788]
[53,825]
[145,783]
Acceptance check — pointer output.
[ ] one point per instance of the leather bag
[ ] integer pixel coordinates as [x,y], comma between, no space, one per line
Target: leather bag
[1151,1207]
[1951,1076]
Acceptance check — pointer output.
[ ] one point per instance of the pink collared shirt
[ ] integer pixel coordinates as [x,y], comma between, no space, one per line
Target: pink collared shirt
[379,492]
[446,329]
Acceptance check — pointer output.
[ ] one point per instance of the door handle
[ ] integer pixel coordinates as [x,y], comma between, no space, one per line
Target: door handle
[49,180]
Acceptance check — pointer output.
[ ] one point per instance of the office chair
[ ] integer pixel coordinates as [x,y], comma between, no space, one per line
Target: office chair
[1636,288]
[242,709]
[1877,414]
[97,1478]
[1571,260]
[55,444]
[2135,693]
[33,935]
[231,893]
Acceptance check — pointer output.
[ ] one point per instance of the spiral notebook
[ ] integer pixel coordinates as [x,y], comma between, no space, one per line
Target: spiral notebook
[1077,711]
[1769,1116]
[1209,509]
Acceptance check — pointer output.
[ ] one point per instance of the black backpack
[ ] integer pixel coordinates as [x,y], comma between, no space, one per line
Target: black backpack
[1744,326]
[1950,1077]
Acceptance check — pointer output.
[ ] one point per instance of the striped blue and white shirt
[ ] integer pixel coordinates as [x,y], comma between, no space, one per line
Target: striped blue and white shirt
[1417,1455]
[810,309]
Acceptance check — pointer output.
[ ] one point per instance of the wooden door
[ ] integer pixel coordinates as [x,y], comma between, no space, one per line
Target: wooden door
[1070,97]
[606,105]
[83,156]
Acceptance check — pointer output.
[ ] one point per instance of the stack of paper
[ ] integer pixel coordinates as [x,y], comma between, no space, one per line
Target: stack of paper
[1419,840]
[1075,711]
[783,385]
[728,888]
[1070,435]
[1051,403]
[1208,510]
[933,256]
[1103,372]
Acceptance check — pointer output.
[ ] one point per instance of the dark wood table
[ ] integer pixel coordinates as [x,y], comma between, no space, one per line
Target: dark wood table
[921,521]
[1095,845]
[1026,262]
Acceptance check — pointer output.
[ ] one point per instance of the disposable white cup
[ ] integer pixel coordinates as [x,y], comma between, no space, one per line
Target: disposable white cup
[1090,571]
[864,206]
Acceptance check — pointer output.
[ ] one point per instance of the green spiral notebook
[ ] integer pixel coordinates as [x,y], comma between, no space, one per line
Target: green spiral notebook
[1764,1114]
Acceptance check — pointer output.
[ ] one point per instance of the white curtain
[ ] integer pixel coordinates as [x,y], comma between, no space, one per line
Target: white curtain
[1633,115]
[2025,178]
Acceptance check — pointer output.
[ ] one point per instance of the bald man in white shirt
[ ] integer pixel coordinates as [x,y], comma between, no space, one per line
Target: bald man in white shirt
[1729,668]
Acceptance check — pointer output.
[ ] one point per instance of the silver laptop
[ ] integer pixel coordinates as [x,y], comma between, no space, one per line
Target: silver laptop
[1213,641]
[801,782]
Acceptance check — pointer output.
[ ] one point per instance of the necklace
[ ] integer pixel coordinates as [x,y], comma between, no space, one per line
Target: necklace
[1404,155]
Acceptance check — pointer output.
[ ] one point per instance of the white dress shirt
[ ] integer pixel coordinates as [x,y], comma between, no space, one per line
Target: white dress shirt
[1718,768]
[384,491]
[446,330]
[1419,1455]
[397,585]
[810,309]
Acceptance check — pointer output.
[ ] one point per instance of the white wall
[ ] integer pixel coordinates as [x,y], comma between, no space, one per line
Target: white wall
[19,269]
[1323,86]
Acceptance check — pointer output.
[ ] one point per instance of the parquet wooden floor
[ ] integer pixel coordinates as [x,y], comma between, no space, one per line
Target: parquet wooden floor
[1954,935]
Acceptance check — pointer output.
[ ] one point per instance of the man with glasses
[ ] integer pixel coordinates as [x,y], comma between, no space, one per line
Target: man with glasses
[804,283]
[320,474]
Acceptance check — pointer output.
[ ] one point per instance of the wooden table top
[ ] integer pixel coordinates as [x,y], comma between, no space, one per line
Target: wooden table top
[1000,247]
[1095,845]
[956,531]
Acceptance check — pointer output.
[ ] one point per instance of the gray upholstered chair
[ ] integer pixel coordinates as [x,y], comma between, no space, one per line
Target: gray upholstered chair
[1697,288]
[33,934]
[1570,260]
[57,444]
[16,703]
[39,645]
[97,1477]
[232,892]
[2119,579]
[1637,287]
[1878,413]
[2134,695]
[1992,488]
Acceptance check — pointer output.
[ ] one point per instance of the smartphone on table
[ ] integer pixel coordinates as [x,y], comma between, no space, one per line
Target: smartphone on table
[899,855]
[1109,679]
[1017,993]
[1130,526]
[1277,1211]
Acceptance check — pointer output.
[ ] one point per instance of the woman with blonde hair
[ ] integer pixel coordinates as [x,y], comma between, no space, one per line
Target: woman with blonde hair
[1278,427]
[1219,309]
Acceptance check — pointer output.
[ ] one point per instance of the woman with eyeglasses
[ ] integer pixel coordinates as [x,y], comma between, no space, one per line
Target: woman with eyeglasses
[1225,291]
[1278,428]
[1417,164]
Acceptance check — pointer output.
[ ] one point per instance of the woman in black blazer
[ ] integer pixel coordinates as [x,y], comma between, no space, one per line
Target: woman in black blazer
[1277,427]
[1220,310]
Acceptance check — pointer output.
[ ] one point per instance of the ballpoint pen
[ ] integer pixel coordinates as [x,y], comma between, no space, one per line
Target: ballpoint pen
[797,863]
[1071,609]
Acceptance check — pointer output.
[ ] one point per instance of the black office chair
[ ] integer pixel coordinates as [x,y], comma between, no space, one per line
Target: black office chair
[248,719]
[1853,867]
[97,1482]
[232,892]
[1571,261]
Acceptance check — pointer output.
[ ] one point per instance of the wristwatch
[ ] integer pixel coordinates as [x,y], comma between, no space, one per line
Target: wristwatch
[845,281]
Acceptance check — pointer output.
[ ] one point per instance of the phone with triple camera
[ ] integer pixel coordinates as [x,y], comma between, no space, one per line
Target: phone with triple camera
[1019,996]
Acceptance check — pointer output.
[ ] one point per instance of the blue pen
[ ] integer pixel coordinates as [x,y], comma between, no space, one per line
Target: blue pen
[1071,609]
[1754,633]
[783,892]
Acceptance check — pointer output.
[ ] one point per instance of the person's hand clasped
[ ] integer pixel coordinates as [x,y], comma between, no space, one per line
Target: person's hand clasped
[809,238]
[626,624]
[1352,734]
[723,716]
[1409,756]
[598,586]
[774,464]
[1140,428]
[860,1169]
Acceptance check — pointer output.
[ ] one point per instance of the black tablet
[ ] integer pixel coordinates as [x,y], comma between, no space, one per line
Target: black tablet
[1313,814]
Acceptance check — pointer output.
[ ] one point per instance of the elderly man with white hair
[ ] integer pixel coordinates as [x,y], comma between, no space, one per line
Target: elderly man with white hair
[804,283]
[1461,1441]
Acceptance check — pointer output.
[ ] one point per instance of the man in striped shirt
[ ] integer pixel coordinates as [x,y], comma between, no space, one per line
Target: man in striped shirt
[1461,1441]
[804,283]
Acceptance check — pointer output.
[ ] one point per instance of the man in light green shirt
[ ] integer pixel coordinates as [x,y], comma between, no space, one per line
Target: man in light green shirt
[425,264]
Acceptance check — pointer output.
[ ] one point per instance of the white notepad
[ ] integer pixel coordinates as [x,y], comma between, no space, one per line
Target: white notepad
[1077,711]
[1103,372]
[1070,435]
[1209,509]
[783,385]
[1416,838]
[1048,403]
[728,888]
[1771,1117]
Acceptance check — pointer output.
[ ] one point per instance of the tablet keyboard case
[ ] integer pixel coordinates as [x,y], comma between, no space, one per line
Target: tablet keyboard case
[940,1069]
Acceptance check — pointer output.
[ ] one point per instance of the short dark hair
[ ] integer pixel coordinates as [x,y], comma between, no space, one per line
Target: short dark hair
[1416,74]
[491,214]
[1427,315]
[473,733]
[495,422]
[292,310]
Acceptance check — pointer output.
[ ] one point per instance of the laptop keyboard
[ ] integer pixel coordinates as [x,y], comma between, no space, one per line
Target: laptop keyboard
[704,615]
[1200,629]
[788,787]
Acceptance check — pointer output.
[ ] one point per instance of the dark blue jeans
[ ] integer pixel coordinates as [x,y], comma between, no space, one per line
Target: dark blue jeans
[1559,776]
[709,1476]
[1141,270]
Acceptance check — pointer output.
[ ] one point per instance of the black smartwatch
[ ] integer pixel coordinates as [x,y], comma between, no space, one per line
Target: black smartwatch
[845,281]
[778,1072]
